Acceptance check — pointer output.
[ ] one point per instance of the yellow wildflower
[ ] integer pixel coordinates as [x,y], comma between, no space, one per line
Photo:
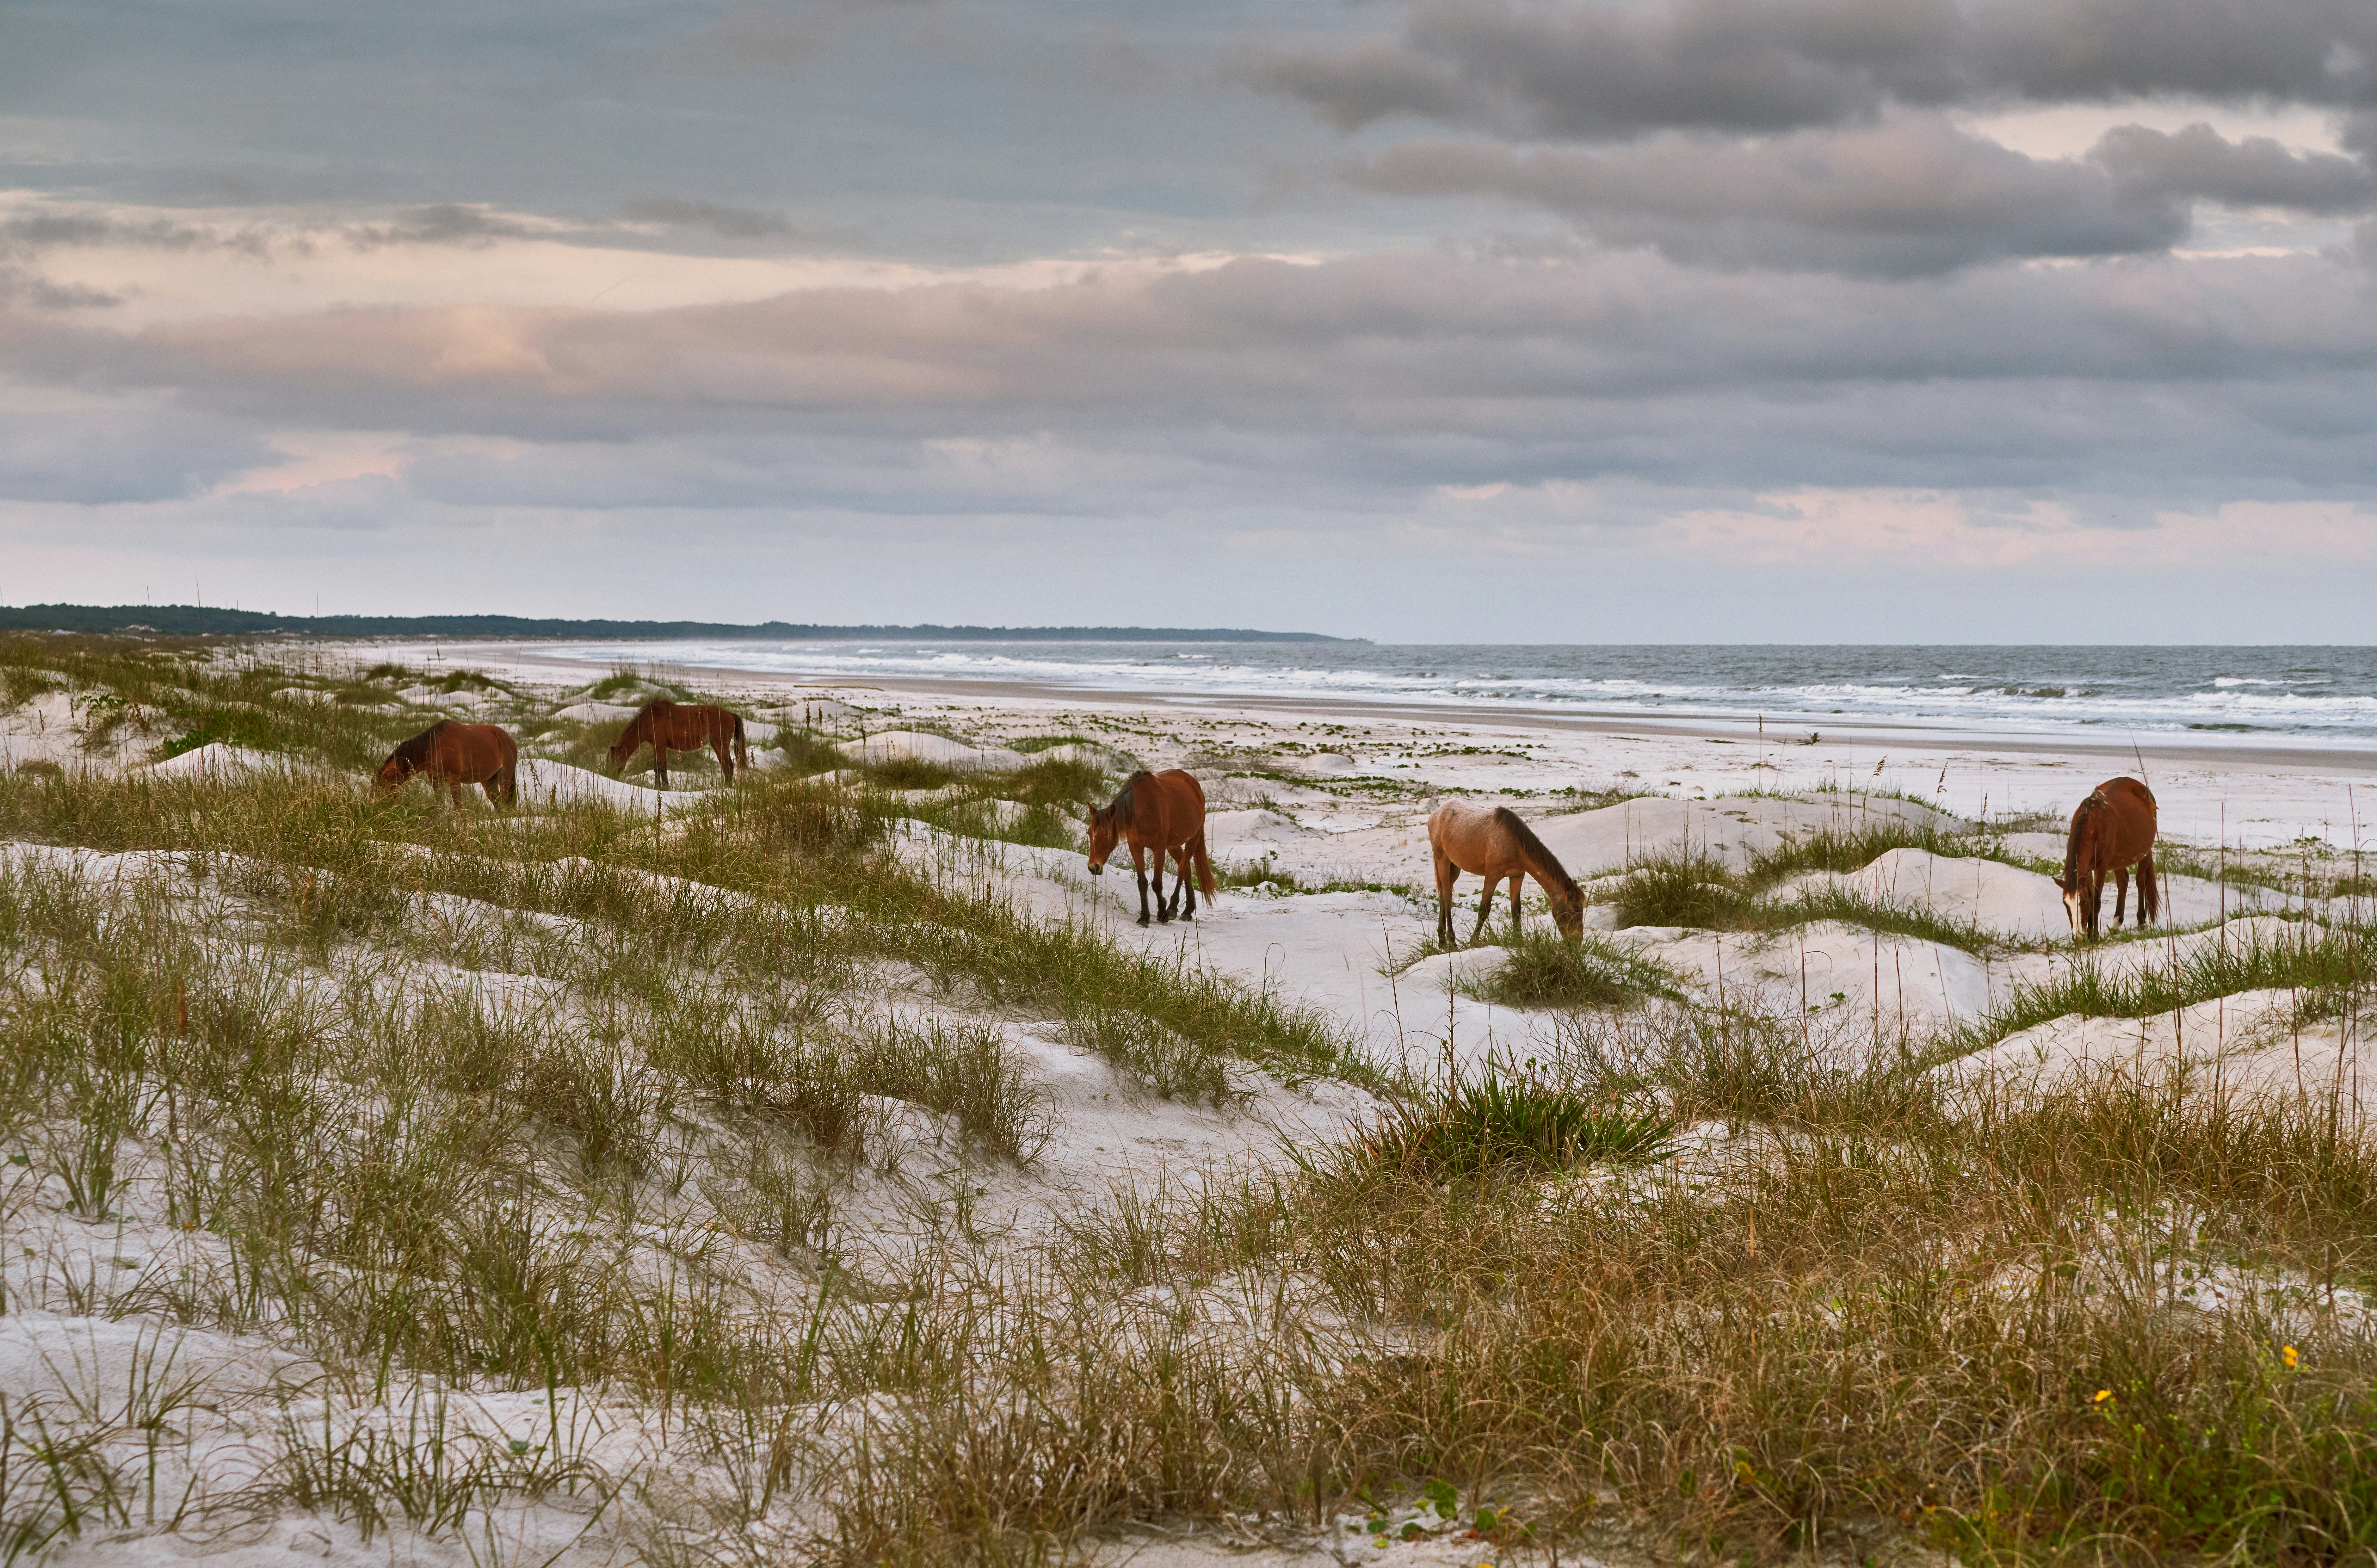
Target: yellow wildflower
[2288,1352]
[2102,1394]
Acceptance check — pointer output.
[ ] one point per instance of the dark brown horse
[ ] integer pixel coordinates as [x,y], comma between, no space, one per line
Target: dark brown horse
[1164,812]
[682,726]
[455,755]
[2113,829]
[1495,844]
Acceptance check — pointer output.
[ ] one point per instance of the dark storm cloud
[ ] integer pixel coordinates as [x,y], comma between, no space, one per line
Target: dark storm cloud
[1604,72]
[2198,162]
[1912,195]
[1411,370]
[1907,199]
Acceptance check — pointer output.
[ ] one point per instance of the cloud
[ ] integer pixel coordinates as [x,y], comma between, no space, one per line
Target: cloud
[2197,163]
[1350,87]
[105,456]
[729,222]
[1609,72]
[1911,197]
[1326,387]
[443,223]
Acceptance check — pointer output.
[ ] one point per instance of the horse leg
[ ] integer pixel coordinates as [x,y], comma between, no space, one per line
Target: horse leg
[1484,907]
[2149,891]
[725,761]
[1139,869]
[2121,894]
[1447,873]
[659,762]
[1184,887]
[491,783]
[1518,886]
[1163,906]
[2095,910]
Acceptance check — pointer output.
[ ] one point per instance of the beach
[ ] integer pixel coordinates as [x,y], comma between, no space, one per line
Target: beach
[855,1036]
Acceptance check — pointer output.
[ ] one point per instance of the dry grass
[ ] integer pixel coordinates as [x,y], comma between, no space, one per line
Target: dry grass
[451,1104]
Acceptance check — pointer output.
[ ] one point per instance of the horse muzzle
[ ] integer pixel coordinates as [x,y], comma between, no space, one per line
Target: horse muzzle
[1097,869]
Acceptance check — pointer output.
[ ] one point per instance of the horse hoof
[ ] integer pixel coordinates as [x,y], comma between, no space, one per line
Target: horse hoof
[1142,919]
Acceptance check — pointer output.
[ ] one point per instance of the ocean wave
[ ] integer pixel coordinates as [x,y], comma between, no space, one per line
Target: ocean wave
[2332,696]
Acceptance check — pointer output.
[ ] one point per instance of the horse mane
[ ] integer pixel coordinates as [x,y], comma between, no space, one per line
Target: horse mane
[1540,859]
[2088,812]
[1124,808]
[416,750]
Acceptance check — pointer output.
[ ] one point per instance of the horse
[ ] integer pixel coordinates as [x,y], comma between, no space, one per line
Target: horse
[682,726]
[1496,844]
[455,755]
[1164,812]
[2111,830]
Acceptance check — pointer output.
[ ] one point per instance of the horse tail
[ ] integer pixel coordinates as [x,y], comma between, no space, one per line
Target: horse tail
[1540,859]
[1204,864]
[742,752]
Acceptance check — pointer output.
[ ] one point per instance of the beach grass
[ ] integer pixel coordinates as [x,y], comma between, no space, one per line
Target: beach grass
[702,1121]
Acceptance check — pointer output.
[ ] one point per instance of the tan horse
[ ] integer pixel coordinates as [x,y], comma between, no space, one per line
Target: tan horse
[455,755]
[1494,843]
[669,727]
[1164,812]
[2112,831]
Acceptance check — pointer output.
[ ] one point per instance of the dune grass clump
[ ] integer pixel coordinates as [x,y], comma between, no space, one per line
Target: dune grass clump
[1700,892]
[1057,781]
[2330,965]
[1543,969]
[966,1072]
[1840,847]
[1695,890]
[1745,1066]
[909,772]
[806,754]
[1159,1058]
[1500,1124]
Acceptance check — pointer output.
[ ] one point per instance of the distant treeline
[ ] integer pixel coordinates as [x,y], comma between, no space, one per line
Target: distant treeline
[201,620]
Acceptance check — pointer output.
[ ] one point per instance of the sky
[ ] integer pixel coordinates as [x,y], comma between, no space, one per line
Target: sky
[1446,320]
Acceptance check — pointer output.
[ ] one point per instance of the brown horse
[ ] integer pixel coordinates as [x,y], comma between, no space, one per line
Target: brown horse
[682,726]
[1496,844]
[455,755]
[2113,829]
[1164,812]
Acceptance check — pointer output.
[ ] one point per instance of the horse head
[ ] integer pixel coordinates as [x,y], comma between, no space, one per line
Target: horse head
[392,774]
[1102,834]
[1568,913]
[629,739]
[2075,903]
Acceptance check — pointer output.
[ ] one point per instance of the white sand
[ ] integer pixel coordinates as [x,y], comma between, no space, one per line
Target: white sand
[1340,798]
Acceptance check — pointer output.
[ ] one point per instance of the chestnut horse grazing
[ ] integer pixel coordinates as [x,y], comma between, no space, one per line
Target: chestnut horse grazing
[682,726]
[455,755]
[1495,844]
[2113,829]
[1164,812]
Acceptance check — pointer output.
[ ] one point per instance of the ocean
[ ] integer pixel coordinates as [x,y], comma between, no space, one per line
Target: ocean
[2314,695]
